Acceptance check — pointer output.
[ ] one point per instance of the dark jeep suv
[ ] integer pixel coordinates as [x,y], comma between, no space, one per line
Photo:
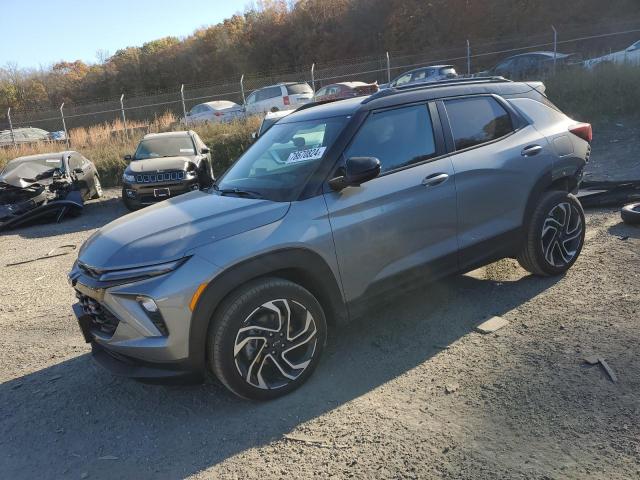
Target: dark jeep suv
[166,165]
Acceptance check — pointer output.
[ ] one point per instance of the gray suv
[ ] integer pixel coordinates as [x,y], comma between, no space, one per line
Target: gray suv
[333,209]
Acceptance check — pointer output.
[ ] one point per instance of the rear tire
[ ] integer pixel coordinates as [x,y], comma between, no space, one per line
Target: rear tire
[266,338]
[631,214]
[554,236]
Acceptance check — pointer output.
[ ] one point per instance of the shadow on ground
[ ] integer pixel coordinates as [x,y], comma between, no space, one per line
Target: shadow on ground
[60,421]
[95,214]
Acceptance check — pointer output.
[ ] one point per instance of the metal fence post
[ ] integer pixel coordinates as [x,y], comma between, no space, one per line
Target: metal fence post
[313,80]
[124,119]
[184,107]
[64,125]
[388,68]
[13,138]
[555,47]
[468,58]
[242,88]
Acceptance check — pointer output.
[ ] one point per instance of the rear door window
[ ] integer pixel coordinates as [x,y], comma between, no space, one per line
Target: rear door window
[398,137]
[477,120]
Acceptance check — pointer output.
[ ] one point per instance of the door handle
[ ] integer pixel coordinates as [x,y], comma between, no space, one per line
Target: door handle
[435,179]
[531,150]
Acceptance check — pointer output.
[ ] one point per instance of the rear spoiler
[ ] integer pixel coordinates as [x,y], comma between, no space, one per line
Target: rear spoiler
[538,86]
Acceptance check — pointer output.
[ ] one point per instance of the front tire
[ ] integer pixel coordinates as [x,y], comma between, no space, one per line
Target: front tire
[97,187]
[266,338]
[554,236]
[131,206]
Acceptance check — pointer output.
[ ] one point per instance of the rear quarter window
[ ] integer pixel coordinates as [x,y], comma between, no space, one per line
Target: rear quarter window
[477,120]
[299,88]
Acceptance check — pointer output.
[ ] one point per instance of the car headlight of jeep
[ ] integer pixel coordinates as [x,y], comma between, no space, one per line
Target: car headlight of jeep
[129,178]
[139,273]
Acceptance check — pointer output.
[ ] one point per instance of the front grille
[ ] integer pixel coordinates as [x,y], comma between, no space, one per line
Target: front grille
[101,318]
[160,177]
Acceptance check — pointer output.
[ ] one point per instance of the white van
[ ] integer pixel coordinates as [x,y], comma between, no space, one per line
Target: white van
[283,96]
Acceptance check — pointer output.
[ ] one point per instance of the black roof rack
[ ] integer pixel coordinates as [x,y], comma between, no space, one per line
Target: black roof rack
[440,83]
[316,103]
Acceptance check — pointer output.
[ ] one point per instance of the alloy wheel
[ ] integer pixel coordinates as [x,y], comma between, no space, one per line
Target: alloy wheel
[275,344]
[562,234]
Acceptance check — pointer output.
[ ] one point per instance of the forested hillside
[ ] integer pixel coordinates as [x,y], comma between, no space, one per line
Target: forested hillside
[277,36]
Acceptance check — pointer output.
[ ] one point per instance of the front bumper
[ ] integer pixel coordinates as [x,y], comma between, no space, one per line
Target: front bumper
[142,194]
[125,340]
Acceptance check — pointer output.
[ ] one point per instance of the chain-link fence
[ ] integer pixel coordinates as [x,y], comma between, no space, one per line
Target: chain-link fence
[468,58]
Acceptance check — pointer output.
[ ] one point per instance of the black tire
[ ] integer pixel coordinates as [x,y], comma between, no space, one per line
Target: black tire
[234,360]
[542,253]
[97,188]
[131,206]
[205,177]
[631,214]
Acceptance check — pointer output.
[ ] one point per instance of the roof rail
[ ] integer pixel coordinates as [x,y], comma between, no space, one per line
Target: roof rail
[316,103]
[440,83]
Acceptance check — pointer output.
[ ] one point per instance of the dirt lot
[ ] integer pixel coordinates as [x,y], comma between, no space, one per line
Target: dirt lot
[521,405]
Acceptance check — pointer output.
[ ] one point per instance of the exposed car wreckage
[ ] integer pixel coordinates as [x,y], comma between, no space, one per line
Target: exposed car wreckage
[45,188]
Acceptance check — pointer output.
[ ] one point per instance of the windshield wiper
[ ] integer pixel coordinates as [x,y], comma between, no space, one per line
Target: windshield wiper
[237,191]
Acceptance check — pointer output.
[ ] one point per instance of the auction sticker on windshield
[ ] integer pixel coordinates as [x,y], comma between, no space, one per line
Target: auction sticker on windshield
[306,155]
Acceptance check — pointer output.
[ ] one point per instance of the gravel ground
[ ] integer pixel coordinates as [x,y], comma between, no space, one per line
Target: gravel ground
[412,391]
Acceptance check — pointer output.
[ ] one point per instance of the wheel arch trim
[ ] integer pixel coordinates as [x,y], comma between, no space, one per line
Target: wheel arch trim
[300,265]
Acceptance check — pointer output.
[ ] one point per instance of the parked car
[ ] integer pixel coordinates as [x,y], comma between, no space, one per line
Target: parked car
[165,165]
[528,65]
[630,55]
[330,212]
[345,90]
[269,120]
[23,135]
[433,73]
[47,186]
[283,96]
[219,111]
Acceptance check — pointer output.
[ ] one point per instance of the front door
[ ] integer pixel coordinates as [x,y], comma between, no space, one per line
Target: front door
[402,224]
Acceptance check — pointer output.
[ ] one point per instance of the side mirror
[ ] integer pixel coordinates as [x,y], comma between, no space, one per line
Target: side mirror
[204,150]
[357,171]
[127,158]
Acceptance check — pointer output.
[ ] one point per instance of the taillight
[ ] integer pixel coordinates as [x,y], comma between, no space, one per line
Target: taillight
[582,130]
[285,99]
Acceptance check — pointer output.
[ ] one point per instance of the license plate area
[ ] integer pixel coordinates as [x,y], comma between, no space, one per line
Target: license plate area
[161,192]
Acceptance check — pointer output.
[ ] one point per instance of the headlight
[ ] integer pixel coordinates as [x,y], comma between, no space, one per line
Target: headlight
[139,273]
[191,173]
[129,178]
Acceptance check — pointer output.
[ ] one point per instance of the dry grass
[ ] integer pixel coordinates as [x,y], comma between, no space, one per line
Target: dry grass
[107,143]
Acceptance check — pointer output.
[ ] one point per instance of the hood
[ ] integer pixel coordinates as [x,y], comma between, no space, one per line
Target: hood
[27,174]
[168,230]
[158,164]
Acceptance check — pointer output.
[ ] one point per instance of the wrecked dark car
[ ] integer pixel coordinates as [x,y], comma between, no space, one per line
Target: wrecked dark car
[46,187]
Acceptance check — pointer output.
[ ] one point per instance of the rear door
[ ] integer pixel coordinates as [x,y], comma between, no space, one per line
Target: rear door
[401,225]
[497,160]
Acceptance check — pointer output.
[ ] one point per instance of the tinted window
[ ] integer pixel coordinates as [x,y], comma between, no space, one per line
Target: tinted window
[299,88]
[270,92]
[397,137]
[477,120]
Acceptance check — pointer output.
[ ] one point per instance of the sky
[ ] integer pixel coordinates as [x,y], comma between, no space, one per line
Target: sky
[39,33]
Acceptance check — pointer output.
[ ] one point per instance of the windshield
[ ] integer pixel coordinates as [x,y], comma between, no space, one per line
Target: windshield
[164,147]
[32,167]
[278,165]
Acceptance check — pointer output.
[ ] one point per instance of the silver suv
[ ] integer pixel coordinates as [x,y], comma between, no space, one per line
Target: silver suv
[333,209]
